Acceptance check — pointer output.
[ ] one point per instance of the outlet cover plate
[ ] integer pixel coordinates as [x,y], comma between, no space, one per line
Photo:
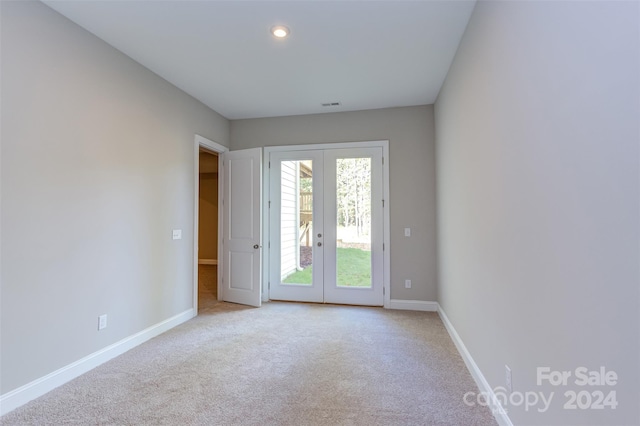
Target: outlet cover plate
[102,322]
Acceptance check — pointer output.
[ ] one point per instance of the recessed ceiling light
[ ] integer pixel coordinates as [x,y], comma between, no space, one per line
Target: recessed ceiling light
[280,31]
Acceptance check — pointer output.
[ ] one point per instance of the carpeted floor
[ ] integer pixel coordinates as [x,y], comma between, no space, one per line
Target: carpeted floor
[282,364]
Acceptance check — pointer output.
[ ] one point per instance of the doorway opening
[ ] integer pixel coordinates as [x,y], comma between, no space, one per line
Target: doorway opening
[208,211]
[207,218]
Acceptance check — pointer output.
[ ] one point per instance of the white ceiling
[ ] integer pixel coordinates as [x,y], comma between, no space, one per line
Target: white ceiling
[364,54]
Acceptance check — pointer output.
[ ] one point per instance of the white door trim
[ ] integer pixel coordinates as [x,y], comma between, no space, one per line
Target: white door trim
[202,142]
[384,144]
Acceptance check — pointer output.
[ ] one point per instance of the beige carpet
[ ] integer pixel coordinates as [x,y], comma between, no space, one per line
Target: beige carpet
[282,364]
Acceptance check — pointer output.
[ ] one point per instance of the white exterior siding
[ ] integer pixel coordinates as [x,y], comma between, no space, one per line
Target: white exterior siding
[289,221]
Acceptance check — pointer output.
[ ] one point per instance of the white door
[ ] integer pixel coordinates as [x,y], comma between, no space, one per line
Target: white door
[353,232]
[295,216]
[326,226]
[242,252]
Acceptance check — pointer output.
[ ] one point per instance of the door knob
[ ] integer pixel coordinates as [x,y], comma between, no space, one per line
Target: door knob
[319,235]
[319,244]
[256,246]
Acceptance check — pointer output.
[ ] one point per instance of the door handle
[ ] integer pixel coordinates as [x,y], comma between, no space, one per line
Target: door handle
[256,246]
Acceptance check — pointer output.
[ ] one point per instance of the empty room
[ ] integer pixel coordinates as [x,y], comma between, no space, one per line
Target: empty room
[320,212]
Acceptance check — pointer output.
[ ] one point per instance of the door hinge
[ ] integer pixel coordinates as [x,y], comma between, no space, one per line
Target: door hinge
[269,164]
[383,291]
[269,204]
[269,244]
[382,203]
[382,246]
[382,160]
[269,285]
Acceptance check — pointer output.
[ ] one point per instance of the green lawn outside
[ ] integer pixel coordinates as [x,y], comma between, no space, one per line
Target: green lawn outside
[354,269]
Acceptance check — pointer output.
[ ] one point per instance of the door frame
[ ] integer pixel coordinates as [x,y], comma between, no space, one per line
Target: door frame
[214,147]
[386,254]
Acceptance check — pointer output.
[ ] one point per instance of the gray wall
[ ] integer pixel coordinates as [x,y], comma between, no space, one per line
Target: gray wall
[97,169]
[410,133]
[537,153]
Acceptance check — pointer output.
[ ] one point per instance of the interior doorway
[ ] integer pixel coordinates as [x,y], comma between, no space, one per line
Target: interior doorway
[207,217]
[208,212]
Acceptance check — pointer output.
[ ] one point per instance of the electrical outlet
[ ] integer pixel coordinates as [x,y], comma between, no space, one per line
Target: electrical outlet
[507,377]
[407,232]
[102,321]
[407,283]
[176,234]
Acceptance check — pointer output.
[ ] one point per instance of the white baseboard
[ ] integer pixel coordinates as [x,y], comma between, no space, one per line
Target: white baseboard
[20,396]
[498,411]
[207,261]
[413,305]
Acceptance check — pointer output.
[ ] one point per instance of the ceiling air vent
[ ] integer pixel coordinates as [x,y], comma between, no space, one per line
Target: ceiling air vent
[331,104]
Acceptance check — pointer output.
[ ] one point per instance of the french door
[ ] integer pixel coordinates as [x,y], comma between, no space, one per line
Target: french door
[326,226]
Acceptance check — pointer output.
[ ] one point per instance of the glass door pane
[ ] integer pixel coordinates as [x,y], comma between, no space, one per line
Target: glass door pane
[353,214]
[296,222]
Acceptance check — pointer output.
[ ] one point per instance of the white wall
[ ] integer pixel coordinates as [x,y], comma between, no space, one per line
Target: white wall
[410,133]
[537,152]
[97,169]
